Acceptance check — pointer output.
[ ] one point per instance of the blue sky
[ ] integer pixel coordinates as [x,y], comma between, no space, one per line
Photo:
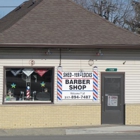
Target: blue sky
[6,10]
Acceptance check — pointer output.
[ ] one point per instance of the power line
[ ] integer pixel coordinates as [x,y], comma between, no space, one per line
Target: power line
[8,6]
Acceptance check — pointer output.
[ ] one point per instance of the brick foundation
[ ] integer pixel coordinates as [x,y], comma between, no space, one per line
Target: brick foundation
[132,116]
[39,116]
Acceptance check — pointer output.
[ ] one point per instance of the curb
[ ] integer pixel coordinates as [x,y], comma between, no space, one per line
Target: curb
[70,131]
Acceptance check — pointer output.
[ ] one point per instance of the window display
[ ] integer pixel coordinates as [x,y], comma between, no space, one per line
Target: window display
[28,84]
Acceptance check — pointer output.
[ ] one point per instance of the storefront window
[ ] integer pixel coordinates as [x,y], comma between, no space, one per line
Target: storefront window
[28,85]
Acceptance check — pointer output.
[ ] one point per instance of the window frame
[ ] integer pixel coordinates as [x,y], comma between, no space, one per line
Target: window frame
[29,102]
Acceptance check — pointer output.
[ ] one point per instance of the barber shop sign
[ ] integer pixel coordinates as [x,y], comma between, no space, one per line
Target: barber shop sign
[77,85]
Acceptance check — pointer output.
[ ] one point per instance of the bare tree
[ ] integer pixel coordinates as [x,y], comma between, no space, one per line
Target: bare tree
[134,22]
[119,12]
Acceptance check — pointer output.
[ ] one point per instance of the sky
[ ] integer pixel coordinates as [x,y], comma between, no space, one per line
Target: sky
[6,10]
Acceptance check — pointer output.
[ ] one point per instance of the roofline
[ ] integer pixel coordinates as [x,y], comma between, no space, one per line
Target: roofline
[43,45]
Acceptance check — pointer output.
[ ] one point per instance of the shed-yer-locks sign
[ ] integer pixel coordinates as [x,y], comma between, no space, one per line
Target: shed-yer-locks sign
[77,85]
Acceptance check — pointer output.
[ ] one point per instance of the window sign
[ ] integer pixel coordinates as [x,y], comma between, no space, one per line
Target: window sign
[75,85]
[112,100]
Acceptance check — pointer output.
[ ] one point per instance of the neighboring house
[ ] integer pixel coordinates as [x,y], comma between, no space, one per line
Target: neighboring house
[61,65]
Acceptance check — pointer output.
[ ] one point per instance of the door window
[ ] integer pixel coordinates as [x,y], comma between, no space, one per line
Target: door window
[112,89]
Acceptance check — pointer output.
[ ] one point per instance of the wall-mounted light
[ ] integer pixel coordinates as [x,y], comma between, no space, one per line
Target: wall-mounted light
[99,53]
[48,52]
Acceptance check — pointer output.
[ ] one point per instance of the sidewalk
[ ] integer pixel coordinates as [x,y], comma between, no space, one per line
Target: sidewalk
[103,129]
[110,129]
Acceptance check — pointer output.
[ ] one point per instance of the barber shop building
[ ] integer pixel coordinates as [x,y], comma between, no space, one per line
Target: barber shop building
[61,66]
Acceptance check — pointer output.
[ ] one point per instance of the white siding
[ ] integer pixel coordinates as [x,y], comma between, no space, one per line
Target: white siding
[75,60]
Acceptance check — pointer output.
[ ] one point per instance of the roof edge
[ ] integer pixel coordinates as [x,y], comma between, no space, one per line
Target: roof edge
[44,45]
